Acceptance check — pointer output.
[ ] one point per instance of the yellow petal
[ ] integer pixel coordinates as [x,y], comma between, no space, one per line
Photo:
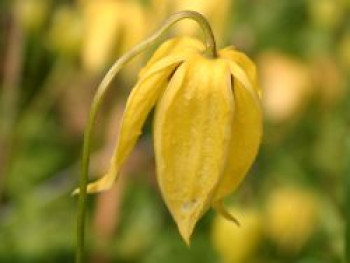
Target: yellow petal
[181,46]
[245,64]
[245,138]
[140,102]
[192,130]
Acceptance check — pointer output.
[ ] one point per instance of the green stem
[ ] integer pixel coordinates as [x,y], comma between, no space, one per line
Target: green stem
[347,201]
[100,94]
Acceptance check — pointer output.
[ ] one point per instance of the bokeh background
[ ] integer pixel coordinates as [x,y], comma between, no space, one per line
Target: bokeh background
[291,205]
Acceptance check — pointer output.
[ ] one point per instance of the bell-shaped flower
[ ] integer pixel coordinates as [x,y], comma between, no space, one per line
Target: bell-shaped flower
[207,127]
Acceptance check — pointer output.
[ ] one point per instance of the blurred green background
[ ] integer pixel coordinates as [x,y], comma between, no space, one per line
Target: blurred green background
[291,205]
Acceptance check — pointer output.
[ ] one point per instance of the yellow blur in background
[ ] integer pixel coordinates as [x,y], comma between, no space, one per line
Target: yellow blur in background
[238,244]
[291,218]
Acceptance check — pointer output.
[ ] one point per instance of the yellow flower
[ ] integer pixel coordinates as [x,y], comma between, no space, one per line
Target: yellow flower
[287,86]
[237,244]
[111,27]
[207,126]
[291,216]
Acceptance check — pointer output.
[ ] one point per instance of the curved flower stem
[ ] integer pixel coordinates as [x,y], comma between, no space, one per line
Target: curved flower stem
[98,99]
[347,198]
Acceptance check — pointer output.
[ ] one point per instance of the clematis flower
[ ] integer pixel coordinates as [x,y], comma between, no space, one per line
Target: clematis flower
[207,127]
[111,27]
[291,217]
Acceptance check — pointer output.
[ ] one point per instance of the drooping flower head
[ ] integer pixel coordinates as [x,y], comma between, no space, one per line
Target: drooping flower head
[207,126]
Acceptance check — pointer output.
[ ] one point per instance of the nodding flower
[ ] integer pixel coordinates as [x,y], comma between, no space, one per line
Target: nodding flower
[207,127]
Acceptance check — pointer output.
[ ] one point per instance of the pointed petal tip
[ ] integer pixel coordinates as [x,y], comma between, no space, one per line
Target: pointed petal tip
[186,235]
[75,192]
[186,228]
[188,243]
[100,185]
[219,207]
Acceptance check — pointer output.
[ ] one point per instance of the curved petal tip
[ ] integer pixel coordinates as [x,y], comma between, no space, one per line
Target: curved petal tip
[100,185]
[219,207]
[186,230]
